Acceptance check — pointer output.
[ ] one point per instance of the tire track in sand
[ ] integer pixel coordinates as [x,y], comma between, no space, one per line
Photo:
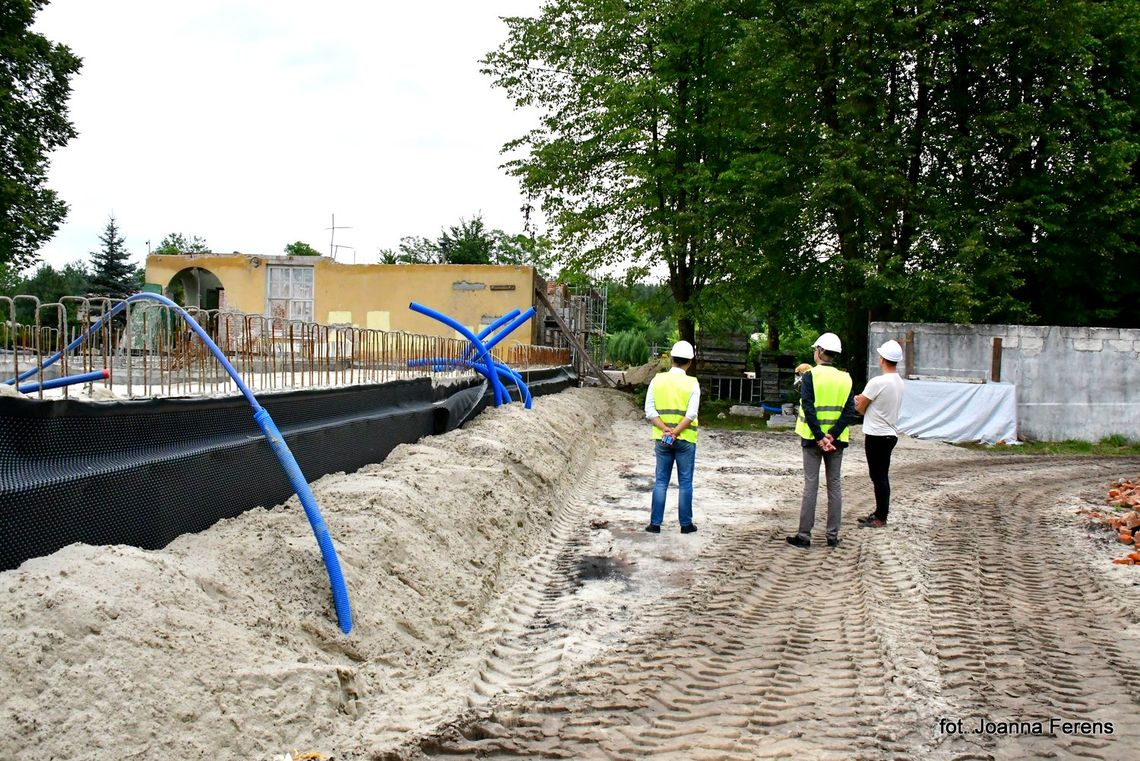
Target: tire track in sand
[856,652]
[1022,631]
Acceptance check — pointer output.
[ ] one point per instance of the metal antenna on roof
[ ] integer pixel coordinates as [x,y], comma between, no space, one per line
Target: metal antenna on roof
[332,237]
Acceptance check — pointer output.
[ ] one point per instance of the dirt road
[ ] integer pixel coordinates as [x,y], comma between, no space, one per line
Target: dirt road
[984,600]
[508,603]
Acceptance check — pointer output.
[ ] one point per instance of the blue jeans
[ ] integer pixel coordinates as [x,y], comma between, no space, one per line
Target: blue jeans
[684,453]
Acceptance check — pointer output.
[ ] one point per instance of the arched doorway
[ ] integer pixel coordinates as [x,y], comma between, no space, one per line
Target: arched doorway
[196,287]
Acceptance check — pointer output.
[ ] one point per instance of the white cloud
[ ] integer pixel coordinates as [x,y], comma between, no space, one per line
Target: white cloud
[250,123]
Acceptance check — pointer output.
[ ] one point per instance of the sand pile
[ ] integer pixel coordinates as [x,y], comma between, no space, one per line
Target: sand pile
[225,644]
[640,376]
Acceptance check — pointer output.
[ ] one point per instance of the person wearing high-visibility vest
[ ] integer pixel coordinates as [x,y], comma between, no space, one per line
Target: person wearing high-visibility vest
[827,408]
[671,405]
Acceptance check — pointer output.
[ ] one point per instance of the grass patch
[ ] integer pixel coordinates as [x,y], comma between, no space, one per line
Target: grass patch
[1110,446]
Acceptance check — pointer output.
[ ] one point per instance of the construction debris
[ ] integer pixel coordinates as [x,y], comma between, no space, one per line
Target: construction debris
[1124,518]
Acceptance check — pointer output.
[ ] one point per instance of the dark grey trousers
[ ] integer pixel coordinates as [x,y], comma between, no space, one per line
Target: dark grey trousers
[832,462]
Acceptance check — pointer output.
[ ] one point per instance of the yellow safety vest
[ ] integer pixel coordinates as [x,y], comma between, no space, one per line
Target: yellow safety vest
[671,392]
[832,389]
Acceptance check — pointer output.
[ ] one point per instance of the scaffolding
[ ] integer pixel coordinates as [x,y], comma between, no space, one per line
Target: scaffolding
[583,310]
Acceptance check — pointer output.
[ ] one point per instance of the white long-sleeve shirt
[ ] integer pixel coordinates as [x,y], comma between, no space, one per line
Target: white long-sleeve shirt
[694,399]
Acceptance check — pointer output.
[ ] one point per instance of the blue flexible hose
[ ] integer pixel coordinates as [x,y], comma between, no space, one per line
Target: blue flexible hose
[439,364]
[502,369]
[71,346]
[510,328]
[276,443]
[518,319]
[501,321]
[66,380]
[482,334]
[312,512]
[501,395]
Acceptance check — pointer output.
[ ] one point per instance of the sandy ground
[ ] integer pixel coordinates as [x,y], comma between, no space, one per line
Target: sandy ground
[508,603]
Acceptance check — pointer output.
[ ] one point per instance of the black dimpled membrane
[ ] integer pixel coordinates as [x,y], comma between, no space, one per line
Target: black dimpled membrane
[145,472]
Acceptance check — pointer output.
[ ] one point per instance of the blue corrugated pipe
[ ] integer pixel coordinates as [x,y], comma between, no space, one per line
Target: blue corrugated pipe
[510,328]
[482,334]
[276,443]
[501,321]
[66,380]
[55,357]
[502,369]
[501,395]
[518,319]
[439,364]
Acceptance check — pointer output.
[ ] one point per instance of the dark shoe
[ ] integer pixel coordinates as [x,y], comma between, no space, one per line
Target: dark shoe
[832,542]
[653,529]
[690,529]
[863,520]
[871,522]
[796,541]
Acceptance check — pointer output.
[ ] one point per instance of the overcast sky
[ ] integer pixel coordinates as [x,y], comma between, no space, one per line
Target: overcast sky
[250,123]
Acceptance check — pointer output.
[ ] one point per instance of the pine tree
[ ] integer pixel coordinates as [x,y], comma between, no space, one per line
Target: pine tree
[112,273]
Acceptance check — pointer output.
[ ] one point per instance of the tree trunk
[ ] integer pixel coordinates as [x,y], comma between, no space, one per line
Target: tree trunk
[684,294]
[855,342]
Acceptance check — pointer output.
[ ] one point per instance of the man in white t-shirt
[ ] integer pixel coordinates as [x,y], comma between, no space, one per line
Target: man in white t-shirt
[879,405]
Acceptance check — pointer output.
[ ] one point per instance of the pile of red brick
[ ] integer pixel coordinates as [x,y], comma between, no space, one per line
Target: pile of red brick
[1123,518]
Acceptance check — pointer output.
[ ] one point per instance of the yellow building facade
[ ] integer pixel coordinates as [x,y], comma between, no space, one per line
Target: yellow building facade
[317,289]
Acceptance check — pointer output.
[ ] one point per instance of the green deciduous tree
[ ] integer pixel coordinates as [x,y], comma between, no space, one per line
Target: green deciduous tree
[177,243]
[469,242]
[634,133]
[472,242]
[822,165]
[35,85]
[9,279]
[300,249]
[112,273]
[960,161]
[528,250]
[413,249]
[49,285]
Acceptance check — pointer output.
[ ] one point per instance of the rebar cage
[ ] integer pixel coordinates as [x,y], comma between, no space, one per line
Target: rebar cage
[149,351]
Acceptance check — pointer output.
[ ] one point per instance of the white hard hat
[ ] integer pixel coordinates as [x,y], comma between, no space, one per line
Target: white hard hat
[829,342]
[682,350]
[891,351]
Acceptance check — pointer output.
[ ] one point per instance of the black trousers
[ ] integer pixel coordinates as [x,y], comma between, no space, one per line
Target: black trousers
[879,450]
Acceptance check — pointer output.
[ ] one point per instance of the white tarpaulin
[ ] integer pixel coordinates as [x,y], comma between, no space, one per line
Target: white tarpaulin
[959,412]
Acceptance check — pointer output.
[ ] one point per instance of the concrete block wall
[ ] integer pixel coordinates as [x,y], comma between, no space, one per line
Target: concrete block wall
[1072,383]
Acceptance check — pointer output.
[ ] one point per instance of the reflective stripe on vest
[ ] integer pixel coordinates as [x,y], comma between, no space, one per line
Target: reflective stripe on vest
[832,388]
[671,392]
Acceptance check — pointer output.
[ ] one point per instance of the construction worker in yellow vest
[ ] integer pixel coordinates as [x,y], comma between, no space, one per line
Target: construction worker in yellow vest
[671,406]
[827,408]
